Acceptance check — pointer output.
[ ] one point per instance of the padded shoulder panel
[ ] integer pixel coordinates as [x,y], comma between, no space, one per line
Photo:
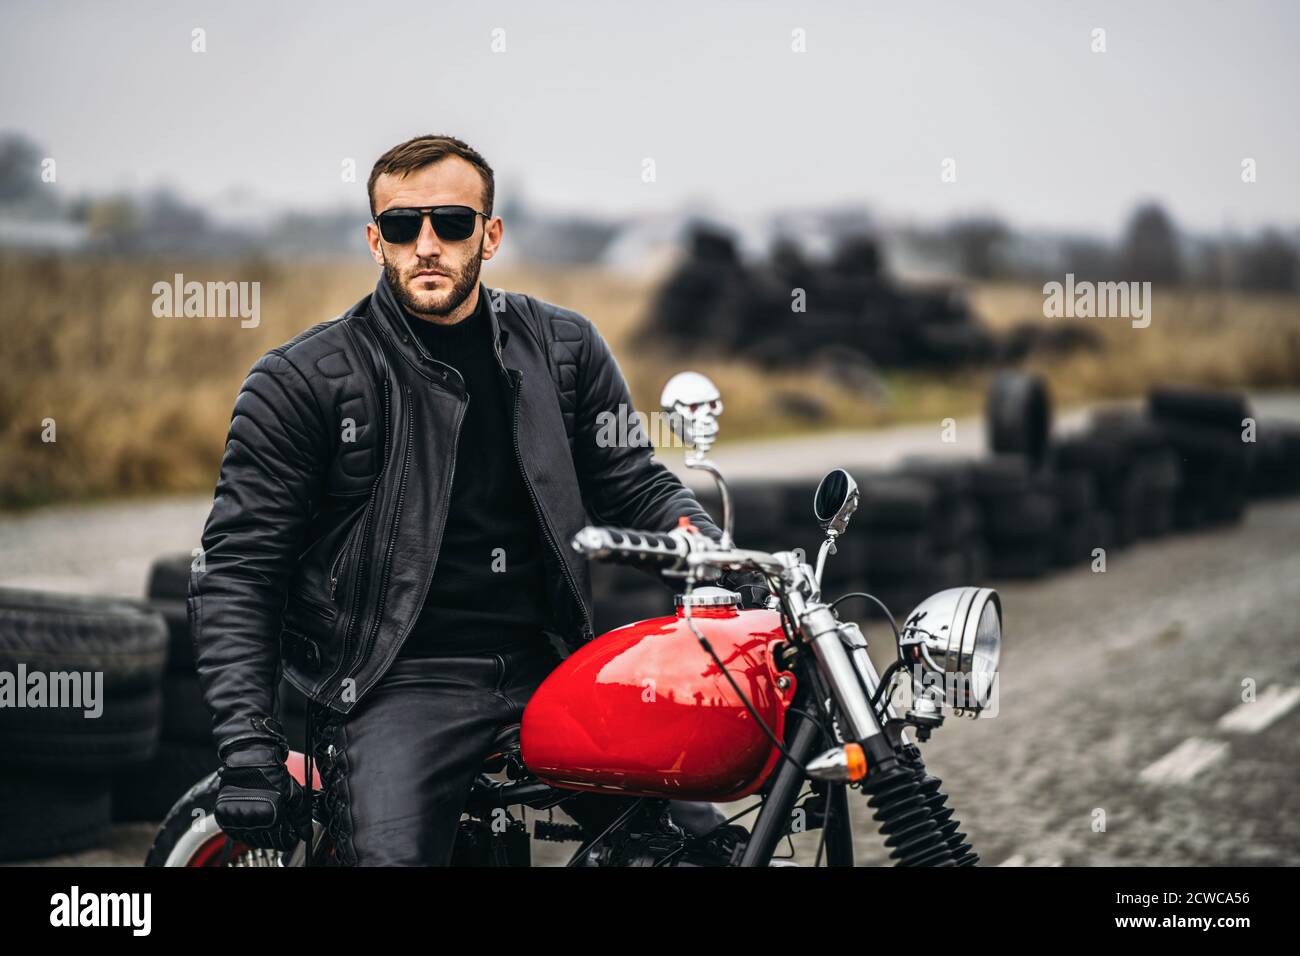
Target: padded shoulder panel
[328,358]
[565,335]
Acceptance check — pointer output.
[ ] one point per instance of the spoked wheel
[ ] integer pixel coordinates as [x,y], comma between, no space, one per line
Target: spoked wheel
[190,836]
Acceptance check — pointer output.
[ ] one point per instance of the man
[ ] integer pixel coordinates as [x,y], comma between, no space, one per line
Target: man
[391,526]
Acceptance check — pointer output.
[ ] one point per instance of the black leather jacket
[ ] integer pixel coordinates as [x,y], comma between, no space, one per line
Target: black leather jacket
[334,487]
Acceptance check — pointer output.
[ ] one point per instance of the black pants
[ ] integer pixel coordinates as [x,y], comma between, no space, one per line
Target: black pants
[403,761]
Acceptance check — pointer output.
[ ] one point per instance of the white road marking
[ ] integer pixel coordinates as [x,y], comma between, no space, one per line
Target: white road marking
[1252,717]
[1185,761]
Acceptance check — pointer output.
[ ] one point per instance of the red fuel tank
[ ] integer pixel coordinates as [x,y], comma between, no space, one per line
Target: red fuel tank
[644,711]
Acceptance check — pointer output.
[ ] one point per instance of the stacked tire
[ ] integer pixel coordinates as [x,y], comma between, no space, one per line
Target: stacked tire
[715,301]
[1082,525]
[894,551]
[1277,459]
[1144,497]
[1206,430]
[186,751]
[1019,514]
[957,528]
[57,756]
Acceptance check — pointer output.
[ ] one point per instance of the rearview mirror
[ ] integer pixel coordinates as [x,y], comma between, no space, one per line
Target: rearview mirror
[835,501]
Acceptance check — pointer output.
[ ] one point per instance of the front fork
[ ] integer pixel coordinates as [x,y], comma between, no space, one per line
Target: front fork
[909,807]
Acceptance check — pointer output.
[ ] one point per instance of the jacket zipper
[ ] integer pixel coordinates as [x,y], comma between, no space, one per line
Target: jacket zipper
[360,574]
[334,566]
[541,518]
[455,444]
[392,543]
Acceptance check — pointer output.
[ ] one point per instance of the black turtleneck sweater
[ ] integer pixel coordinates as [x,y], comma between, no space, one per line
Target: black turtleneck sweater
[488,588]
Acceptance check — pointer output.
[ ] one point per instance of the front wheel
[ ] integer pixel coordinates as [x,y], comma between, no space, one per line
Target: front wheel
[191,837]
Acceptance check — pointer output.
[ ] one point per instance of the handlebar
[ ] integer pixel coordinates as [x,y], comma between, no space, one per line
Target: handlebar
[622,546]
[678,550]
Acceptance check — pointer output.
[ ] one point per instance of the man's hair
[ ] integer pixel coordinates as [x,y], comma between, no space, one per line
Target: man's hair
[425,151]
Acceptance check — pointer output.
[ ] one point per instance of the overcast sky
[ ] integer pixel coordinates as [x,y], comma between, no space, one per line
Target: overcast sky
[1043,130]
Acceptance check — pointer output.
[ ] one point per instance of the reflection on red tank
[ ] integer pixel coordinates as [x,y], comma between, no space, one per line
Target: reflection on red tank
[643,710]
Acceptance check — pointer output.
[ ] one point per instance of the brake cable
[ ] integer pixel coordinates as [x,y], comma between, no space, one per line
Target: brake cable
[871,597]
[704,642]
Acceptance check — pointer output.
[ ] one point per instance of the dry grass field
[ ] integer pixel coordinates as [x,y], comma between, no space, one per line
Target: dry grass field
[140,404]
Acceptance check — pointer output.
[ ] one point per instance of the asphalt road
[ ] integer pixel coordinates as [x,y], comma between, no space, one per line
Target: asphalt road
[1122,736]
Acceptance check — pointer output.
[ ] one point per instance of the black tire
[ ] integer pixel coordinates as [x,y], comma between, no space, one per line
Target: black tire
[185,714]
[896,503]
[1027,561]
[760,508]
[149,792]
[1125,501]
[198,801]
[1157,516]
[47,631]
[951,477]
[180,644]
[1001,475]
[1199,444]
[1075,492]
[1076,539]
[1131,427]
[1277,459]
[1216,473]
[975,554]
[1163,471]
[1019,415]
[169,577]
[178,816]
[1199,406]
[1102,457]
[1030,516]
[63,738]
[892,553]
[47,814]
[1115,471]
[958,522]
[949,569]
[796,506]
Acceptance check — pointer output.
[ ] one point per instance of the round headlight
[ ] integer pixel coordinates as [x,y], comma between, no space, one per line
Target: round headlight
[958,633]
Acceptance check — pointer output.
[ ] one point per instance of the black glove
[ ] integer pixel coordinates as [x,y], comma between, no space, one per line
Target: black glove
[750,585]
[259,803]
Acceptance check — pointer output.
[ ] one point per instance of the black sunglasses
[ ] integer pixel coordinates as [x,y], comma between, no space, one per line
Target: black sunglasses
[451,223]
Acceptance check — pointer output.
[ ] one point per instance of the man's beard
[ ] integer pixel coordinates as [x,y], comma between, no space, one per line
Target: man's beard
[462,285]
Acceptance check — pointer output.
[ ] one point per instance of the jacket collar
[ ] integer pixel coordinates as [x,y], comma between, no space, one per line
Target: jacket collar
[393,318]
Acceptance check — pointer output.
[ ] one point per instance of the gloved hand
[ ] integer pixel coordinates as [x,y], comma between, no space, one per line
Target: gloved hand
[750,585]
[259,803]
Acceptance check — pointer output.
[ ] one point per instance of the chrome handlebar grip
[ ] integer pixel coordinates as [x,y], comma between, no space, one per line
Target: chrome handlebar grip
[622,546]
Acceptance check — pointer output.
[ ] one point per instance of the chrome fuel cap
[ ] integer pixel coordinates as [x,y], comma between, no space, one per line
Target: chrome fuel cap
[708,597]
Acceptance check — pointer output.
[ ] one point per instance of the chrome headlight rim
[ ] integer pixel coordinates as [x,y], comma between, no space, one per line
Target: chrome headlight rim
[950,648]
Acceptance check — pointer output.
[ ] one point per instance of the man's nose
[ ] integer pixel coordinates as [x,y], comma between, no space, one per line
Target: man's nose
[426,244]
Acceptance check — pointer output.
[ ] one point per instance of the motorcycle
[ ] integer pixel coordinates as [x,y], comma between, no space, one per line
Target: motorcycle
[715,703]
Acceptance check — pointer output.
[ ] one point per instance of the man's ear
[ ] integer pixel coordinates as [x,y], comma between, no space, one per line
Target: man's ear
[373,239]
[492,233]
